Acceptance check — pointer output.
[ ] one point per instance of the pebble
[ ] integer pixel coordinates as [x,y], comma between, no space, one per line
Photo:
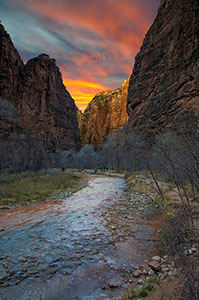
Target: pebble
[151,272]
[140,208]
[172,273]
[156,258]
[165,269]
[145,272]
[140,281]
[114,284]
[136,274]
[172,264]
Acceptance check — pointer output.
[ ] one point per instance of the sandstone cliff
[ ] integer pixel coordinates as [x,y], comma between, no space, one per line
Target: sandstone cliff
[164,85]
[37,114]
[104,115]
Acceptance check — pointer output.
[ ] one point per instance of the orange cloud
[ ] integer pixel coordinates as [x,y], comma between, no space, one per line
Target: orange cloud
[92,40]
[83,91]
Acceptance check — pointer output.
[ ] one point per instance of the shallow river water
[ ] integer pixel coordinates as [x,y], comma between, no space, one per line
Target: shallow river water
[77,247]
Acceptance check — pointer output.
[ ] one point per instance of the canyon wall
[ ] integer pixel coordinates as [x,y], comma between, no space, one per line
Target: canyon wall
[38,117]
[104,115]
[164,86]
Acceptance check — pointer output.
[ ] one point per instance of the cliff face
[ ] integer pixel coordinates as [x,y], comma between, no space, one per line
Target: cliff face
[164,85]
[105,114]
[46,107]
[37,114]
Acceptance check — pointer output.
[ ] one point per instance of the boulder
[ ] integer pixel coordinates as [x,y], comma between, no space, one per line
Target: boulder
[154,265]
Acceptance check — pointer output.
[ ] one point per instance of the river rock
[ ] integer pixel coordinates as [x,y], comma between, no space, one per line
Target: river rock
[114,284]
[151,272]
[172,273]
[156,258]
[140,281]
[137,273]
[145,272]
[154,265]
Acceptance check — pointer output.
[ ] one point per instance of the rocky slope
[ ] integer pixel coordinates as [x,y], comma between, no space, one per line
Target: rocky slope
[37,114]
[104,115]
[164,85]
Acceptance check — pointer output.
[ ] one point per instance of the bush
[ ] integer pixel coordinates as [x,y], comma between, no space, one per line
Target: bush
[141,291]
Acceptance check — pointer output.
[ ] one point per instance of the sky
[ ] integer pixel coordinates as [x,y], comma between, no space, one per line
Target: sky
[94,42]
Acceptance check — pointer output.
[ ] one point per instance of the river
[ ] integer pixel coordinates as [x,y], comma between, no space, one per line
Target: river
[76,248]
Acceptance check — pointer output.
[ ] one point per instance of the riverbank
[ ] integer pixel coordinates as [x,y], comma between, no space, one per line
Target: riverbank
[131,223]
[29,187]
[177,242]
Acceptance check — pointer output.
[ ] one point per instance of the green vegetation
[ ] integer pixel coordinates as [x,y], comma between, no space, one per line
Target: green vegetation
[26,187]
[141,291]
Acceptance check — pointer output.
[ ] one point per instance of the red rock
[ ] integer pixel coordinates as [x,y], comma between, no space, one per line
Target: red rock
[154,265]
[104,115]
[37,114]
[164,85]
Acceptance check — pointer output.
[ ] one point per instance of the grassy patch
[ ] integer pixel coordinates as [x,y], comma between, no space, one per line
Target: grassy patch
[21,188]
[138,181]
[142,291]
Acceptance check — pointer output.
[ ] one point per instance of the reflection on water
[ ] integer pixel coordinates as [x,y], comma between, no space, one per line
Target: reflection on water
[72,249]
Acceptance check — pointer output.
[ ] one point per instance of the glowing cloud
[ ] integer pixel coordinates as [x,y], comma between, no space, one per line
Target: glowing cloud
[93,41]
[83,91]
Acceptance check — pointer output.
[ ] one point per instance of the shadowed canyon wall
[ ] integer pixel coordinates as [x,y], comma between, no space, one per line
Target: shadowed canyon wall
[37,114]
[164,86]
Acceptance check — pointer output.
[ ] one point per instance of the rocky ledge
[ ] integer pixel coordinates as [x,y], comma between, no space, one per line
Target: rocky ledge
[104,115]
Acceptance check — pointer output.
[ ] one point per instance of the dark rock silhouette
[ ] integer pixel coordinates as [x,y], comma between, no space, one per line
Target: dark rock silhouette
[37,114]
[164,86]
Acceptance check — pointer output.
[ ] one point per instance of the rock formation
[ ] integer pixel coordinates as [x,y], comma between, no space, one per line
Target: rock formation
[104,115]
[164,85]
[37,114]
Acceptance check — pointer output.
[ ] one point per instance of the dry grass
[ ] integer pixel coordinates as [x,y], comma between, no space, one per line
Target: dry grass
[21,188]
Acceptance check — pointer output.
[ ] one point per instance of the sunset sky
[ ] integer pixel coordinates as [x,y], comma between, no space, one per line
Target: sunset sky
[93,41]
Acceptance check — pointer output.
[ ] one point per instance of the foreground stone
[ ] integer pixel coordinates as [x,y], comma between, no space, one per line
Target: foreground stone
[156,258]
[137,274]
[114,284]
[154,265]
